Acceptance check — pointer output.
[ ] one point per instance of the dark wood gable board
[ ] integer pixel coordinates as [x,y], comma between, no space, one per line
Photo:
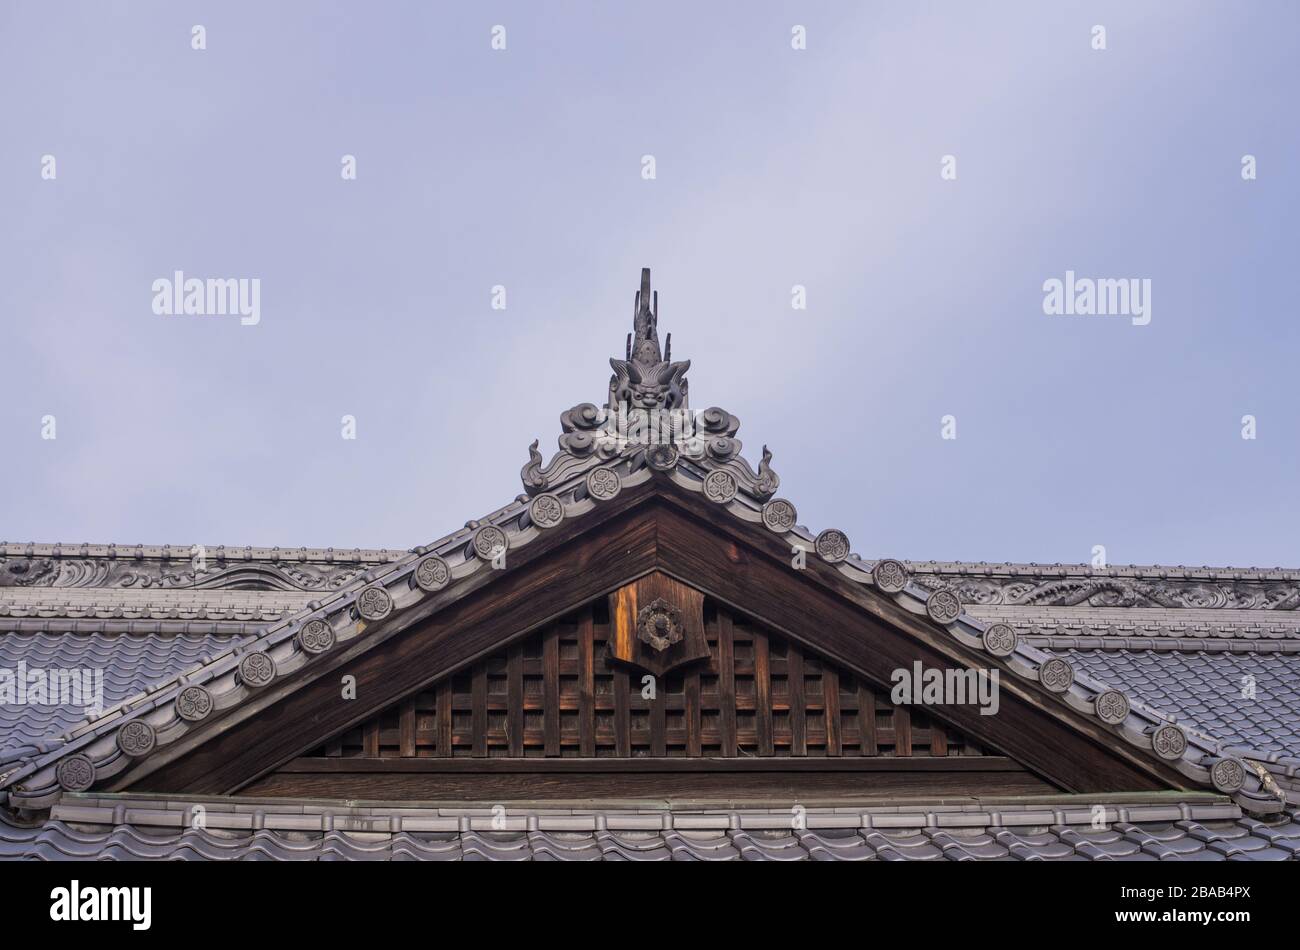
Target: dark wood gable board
[760,717]
[872,635]
[662,528]
[568,566]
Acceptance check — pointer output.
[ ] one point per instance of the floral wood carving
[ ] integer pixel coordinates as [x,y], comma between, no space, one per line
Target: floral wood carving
[659,624]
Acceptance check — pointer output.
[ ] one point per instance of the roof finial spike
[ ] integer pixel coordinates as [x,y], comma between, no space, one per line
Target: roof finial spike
[645,324]
[668,348]
[647,378]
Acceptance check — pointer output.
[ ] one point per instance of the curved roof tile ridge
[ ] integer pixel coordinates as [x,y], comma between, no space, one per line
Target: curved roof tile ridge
[183,552]
[1066,569]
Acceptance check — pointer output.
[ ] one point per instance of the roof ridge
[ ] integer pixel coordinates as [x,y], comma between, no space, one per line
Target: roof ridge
[1086,569]
[183,552]
[278,554]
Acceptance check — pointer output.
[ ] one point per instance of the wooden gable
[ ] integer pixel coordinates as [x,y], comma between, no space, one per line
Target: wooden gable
[552,715]
[556,693]
[486,665]
[265,747]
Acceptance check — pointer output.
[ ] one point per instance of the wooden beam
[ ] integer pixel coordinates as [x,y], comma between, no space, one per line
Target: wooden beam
[952,763]
[726,782]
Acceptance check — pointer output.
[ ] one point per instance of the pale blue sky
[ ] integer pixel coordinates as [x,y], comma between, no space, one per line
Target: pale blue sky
[775,168]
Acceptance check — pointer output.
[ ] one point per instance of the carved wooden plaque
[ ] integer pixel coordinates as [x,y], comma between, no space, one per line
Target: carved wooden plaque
[657,624]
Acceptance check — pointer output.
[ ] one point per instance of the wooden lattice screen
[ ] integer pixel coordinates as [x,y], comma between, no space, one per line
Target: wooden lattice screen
[554,694]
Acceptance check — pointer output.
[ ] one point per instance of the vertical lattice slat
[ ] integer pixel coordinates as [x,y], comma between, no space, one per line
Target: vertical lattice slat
[556,693]
[762,695]
[551,690]
[726,661]
[586,684]
[798,702]
[831,709]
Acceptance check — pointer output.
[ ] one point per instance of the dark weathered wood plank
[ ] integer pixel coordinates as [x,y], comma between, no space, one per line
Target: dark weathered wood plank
[515,699]
[622,715]
[763,695]
[732,783]
[726,660]
[645,764]
[406,726]
[443,716]
[479,716]
[831,710]
[798,703]
[867,720]
[938,739]
[691,685]
[902,731]
[551,687]
[586,683]
[658,718]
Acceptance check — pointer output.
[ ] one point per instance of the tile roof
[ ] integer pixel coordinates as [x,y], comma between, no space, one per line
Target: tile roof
[136,828]
[1249,701]
[129,665]
[1175,628]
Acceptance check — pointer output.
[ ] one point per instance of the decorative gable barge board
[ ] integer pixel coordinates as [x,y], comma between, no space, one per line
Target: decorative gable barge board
[686,538]
[861,629]
[446,631]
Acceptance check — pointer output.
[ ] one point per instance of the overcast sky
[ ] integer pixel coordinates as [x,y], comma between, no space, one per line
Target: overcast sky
[773,167]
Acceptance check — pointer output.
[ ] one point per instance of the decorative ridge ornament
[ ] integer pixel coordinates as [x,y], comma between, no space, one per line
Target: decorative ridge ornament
[193,703]
[1228,775]
[1169,741]
[137,738]
[1112,707]
[647,410]
[75,773]
[647,378]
